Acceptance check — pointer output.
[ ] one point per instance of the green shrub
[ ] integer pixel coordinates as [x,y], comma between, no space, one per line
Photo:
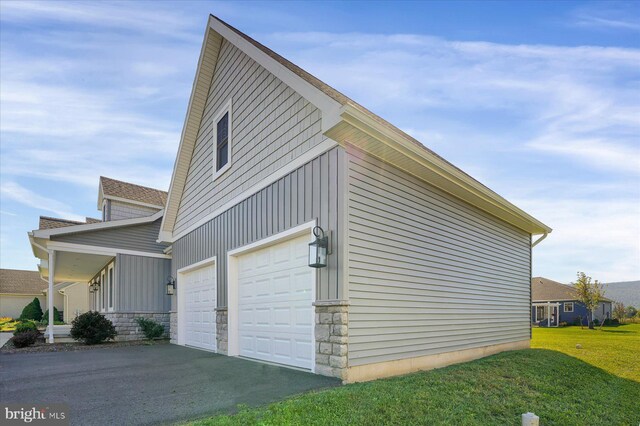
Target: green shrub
[32,311]
[22,327]
[150,328]
[26,338]
[57,318]
[92,328]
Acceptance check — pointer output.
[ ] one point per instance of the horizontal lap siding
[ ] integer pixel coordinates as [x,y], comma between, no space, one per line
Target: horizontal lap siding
[271,126]
[428,273]
[119,210]
[135,237]
[141,284]
[309,193]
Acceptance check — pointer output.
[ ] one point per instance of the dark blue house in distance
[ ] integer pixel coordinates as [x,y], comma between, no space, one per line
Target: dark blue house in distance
[553,303]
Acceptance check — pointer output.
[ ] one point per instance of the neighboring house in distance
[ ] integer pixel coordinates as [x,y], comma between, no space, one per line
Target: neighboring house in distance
[626,292]
[18,288]
[426,266]
[119,254]
[553,302]
[75,299]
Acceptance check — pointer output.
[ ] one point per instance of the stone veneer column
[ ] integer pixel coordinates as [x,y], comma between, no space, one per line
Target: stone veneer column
[222,334]
[127,327]
[332,338]
[173,326]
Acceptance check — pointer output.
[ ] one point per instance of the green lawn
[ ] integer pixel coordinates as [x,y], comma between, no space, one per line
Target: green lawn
[613,349]
[598,384]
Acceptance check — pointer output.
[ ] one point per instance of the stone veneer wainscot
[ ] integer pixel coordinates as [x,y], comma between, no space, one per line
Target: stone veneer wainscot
[331,333]
[127,327]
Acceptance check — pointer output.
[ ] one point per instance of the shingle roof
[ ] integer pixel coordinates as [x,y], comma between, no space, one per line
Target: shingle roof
[544,290]
[47,222]
[130,191]
[92,220]
[15,281]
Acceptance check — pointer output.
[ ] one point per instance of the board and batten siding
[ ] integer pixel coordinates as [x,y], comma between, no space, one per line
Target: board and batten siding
[311,192]
[135,237]
[271,125]
[428,273]
[141,284]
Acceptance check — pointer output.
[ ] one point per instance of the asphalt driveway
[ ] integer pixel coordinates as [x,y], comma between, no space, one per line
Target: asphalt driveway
[147,384]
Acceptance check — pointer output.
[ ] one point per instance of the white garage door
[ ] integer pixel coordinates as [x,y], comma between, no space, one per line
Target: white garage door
[199,292]
[275,296]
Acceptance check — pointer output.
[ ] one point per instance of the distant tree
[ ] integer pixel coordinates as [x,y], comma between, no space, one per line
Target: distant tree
[619,311]
[631,312]
[590,293]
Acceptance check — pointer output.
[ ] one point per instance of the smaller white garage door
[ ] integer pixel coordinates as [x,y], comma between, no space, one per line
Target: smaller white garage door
[275,296]
[199,292]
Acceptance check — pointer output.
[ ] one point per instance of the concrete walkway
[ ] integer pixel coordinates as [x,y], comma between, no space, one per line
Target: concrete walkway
[147,384]
[4,338]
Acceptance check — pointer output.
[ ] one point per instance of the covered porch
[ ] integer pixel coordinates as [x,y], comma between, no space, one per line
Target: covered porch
[59,264]
[546,314]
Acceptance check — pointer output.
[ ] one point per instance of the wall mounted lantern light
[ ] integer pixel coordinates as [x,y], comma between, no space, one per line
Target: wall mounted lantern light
[318,249]
[171,286]
[95,286]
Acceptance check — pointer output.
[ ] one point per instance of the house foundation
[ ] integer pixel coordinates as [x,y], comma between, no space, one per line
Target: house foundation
[127,327]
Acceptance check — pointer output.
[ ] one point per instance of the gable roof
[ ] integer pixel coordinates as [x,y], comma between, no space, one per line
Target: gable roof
[15,281]
[117,189]
[546,290]
[343,120]
[47,222]
[70,227]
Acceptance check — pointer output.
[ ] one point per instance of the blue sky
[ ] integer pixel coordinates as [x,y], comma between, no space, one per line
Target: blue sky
[540,101]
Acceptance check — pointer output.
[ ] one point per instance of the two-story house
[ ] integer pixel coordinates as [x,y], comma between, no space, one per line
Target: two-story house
[117,259]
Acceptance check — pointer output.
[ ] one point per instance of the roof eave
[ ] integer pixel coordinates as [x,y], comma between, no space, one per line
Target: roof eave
[47,233]
[378,139]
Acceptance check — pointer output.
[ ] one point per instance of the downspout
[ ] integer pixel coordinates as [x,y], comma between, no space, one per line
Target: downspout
[536,242]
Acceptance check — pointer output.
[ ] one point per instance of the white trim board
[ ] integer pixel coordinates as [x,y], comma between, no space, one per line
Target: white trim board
[102,251]
[227,108]
[329,107]
[129,201]
[326,145]
[232,284]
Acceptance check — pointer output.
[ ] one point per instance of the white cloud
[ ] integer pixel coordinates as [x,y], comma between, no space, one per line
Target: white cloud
[135,17]
[599,237]
[22,195]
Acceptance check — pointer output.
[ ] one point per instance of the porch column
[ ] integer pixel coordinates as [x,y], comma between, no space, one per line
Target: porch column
[548,314]
[52,266]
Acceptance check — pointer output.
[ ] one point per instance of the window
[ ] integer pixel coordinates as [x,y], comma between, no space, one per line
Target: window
[540,313]
[222,137]
[568,307]
[110,287]
[222,142]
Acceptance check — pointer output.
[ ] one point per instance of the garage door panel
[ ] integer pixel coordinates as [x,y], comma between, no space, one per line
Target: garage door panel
[275,304]
[200,302]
